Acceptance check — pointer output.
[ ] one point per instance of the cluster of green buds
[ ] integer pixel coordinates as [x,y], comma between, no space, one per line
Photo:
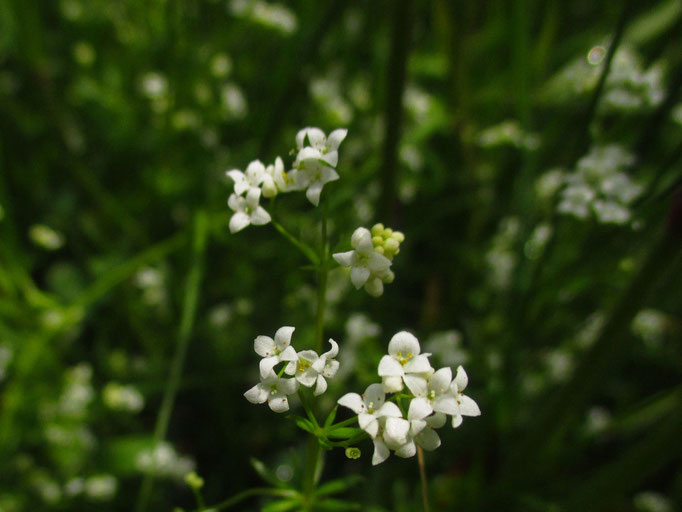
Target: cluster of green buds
[386,241]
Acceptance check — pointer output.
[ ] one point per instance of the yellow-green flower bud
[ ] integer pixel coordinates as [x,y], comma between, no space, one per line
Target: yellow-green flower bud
[387,232]
[377,229]
[379,249]
[398,235]
[353,452]
[391,245]
[194,480]
[377,241]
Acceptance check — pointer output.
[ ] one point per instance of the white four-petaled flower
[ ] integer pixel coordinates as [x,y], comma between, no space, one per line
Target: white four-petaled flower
[403,358]
[274,390]
[364,262]
[274,351]
[310,370]
[247,210]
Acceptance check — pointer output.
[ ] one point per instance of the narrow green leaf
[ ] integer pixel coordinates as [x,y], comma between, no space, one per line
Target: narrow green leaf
[344,432]
[263,471]
[339,485]
[281,505]
[332,504]
[303,424]
[332,416]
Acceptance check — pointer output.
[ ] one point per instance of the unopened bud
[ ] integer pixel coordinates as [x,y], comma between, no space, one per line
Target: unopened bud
[353,452]
[377,229]
[194,480]
[387,232]
[398,235]
[391,244]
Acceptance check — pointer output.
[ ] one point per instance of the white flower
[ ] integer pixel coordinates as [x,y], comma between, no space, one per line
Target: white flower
[364,261]
[312,173]
[467,406]
[254,176]
[327,147]
[274,390]
[435,393]
[311,369]
[247,211]
[416,419]
[404,357]
[393,434]
[277,180]
[274,351]
[315,163]
[370,407]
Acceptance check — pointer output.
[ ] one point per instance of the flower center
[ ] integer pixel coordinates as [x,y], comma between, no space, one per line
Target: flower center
[431,394]
[403,358]
[303,365]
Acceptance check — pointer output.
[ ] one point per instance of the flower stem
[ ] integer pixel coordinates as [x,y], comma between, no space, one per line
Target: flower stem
[422,474]
[312,470]
[187,321]
[305,249]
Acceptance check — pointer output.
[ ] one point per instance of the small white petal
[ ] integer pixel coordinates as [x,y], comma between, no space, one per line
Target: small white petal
[300,138]
[288,354]
[332,158]
[313,192]
[389,409]
[437,420]
[264,346]
[456,420]
[316,137]
[333,352]
[445,404]
[279,404]
[252,197]
[374,394]
[362,241]
[287,386]
[321,385]
[416,384]
[468,407]
[266,366]
[239,221]
[336,138]
[392,384]
[390,367]
[405,343]
[353,401]
[308,153]
[328,174]
[368,423]
[407,450]
[235,203]
[419,364]
[378,262]
[440,380]
[306,379]
[461,379]
[283,336]
[345,259]
[359,276]
[428,439]
[259,216]
[396,431]
[257,394]
[381,452]
[419,409]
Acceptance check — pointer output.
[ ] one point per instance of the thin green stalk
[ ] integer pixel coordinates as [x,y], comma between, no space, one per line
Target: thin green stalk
[187,321]
[312,465]
[422,475]
[307,251]
[256,491]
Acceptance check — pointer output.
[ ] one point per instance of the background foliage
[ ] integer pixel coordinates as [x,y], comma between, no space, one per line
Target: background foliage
[117,122]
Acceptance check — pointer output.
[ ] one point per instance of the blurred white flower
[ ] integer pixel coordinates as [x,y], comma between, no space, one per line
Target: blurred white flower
[247,211]
[122,398]
[163,461]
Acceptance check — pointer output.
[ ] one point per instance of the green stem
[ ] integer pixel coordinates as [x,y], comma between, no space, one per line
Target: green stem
[186,323]
[322,284]
[305,249]
[422,474]
[310,477]
[256,491]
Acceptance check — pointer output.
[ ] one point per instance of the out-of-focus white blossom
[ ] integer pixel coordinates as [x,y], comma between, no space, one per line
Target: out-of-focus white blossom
[271,15]
[599,186]
[247,211]
[101,487]
[650,325]
[122,398]
[164,462]
[46,237]
[508,133]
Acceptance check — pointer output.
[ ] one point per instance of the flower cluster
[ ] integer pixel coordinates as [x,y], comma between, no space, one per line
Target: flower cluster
[600,185]
[313,167]
[371,257]
[433,395]
[304,368]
